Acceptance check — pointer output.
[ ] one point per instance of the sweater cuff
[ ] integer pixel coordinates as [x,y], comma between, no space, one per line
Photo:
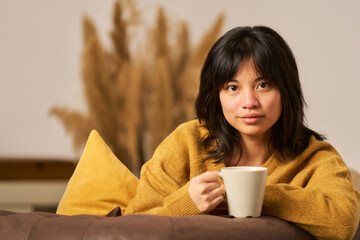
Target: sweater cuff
[180,203]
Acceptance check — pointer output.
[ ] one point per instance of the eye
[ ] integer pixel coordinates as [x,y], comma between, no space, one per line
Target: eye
[232,88]
[263,85]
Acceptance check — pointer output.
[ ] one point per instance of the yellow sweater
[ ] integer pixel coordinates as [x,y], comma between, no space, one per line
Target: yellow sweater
[314,191]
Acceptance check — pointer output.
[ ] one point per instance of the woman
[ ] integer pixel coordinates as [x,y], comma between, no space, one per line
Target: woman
[250,113]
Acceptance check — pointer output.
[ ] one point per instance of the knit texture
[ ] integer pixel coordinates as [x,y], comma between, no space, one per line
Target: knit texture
[313,191]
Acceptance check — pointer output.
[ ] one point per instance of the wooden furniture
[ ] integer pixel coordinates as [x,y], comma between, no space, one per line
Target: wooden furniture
[33,184]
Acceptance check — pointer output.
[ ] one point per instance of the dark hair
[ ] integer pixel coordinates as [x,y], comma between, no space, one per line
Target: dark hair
[273,60]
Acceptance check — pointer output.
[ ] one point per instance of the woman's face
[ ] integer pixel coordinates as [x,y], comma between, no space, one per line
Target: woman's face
[250,103]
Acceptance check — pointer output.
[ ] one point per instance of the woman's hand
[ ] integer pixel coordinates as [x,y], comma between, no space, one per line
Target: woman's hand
[206,191]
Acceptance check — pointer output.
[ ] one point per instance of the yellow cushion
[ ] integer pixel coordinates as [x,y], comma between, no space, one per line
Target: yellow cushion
[99,183]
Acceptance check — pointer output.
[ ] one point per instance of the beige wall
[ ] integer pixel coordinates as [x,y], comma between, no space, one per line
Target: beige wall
[40,53]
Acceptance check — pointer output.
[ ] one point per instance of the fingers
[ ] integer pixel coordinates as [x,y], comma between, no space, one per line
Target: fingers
[206,191]
[212,200]
[205,187]
[214,203]
[215,193]
[211,176]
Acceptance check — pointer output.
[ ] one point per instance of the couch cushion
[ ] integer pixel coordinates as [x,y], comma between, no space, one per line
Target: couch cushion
[99,183]
[52,226]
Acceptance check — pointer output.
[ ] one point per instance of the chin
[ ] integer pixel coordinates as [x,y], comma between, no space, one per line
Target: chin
[253,133]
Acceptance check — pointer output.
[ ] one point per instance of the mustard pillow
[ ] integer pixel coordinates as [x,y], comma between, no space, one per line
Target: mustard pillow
[99,183]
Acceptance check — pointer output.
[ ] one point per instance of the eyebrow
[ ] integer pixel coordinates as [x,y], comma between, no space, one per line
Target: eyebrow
[259,78]
[233,80]
[256,79]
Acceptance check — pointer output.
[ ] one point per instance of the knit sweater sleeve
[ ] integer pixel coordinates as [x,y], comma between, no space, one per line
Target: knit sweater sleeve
[164,182]
[320,198]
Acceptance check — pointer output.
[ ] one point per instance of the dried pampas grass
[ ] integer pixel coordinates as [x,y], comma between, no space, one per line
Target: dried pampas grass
[135,100]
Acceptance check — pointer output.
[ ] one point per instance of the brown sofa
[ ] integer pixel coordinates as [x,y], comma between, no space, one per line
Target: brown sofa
[40,226]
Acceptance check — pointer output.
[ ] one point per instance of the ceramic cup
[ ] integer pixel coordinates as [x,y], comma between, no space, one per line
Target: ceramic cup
[245,188]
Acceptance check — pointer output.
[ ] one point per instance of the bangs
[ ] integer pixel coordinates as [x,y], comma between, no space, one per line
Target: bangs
[242,51]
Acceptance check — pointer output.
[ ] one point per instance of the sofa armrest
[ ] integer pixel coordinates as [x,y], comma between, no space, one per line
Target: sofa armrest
[39,226]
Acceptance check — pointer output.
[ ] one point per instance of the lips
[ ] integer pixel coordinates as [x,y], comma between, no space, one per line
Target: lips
[251,118]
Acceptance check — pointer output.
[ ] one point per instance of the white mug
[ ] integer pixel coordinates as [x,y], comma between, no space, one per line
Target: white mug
[245,188]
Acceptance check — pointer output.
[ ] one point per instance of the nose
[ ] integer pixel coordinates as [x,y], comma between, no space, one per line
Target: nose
[249,99]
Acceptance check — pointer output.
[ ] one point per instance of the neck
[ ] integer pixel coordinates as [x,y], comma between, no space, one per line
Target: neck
[254,152]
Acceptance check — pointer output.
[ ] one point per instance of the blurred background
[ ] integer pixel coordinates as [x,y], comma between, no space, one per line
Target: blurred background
[130,70]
